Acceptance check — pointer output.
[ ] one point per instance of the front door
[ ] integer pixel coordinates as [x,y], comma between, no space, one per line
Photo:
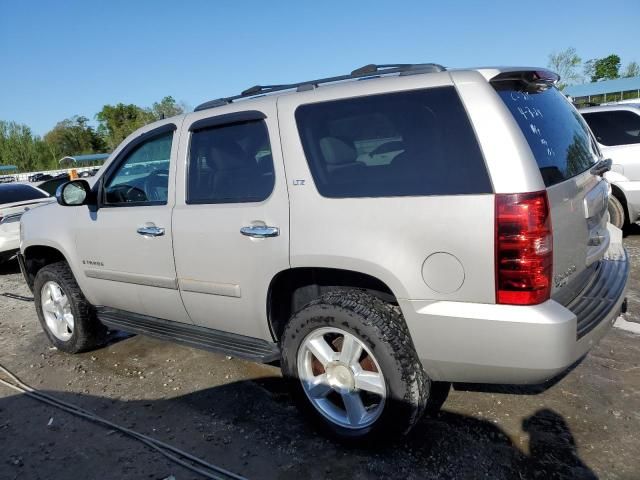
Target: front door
[125,246]
[231,225]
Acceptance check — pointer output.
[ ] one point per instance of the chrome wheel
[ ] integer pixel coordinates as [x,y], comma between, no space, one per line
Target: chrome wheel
[341,378]
[57,311]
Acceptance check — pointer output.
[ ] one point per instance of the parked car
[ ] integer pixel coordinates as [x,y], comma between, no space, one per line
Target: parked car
[379,238]
[617,130]
[39,177]
[7,179]
[15,199]
[50,186]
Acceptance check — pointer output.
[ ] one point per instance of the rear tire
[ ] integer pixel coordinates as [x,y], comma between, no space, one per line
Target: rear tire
[617,215]
[325,386]
[67,318]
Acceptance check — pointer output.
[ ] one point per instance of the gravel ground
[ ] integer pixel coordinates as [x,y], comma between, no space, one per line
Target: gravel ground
[238,415]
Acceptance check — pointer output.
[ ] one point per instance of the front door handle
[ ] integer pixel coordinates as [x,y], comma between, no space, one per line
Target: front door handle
[260,231]
[151,231]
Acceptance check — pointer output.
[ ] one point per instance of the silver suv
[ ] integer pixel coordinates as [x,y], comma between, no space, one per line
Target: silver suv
[380,234]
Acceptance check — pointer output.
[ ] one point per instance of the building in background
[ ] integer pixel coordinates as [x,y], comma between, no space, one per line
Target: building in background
[606,91]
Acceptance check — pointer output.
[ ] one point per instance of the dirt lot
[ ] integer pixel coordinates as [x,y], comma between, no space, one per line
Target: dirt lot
[238,415]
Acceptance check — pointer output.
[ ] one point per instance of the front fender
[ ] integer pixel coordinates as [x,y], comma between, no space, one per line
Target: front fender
[51,227]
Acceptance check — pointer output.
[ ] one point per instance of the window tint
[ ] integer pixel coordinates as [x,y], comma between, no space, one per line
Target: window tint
[19,193]
[230,163]
[143,176]
[395,144]
[615,127]
[556,133]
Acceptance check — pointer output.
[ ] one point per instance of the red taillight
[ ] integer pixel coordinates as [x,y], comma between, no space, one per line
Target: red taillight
[524,248]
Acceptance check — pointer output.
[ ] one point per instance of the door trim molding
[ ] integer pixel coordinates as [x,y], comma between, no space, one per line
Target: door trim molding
[135,278]
[211,288]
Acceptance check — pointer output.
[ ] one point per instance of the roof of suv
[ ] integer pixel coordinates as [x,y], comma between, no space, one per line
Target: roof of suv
[370,71]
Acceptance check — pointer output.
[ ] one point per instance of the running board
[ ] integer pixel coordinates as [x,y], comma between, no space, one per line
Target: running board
[192,335]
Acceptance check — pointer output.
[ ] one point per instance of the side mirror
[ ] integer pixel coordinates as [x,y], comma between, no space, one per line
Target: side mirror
[74,193]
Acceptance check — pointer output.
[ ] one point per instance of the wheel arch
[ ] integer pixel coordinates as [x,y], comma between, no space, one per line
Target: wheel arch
[38,256]
[293,288]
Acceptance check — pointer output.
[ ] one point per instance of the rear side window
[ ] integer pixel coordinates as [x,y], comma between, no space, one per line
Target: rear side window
[556,133]
[230,164]
[19,193]
[397,144]
[614,127]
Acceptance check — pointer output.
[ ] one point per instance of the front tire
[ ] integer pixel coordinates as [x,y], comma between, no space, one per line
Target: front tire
[65,315]
[352,366]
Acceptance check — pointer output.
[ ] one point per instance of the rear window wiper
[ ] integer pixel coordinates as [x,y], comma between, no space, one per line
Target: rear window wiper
[601,167]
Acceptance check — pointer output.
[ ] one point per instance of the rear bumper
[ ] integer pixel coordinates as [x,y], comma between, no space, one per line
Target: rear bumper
[9,238]
[488,343]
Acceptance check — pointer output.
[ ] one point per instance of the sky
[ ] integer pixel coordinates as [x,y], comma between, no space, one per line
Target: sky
[63,58]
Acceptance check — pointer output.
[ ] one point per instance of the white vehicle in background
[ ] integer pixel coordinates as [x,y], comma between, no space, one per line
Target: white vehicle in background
[617,130]
[15,199]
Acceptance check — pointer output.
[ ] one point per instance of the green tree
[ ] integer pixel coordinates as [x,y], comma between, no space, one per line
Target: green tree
[606,68]
[74,136]
[116,122]
[632,70]
[19,147]
[165,108]
[565,63]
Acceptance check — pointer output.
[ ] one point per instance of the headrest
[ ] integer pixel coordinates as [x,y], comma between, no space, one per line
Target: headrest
[336,151]
[227,155]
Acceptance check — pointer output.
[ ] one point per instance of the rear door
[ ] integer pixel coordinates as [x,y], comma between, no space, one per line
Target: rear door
[565,152]
[231,219]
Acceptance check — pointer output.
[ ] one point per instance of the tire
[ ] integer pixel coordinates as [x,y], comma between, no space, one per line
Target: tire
[86,332]
[617,216]
[387,351]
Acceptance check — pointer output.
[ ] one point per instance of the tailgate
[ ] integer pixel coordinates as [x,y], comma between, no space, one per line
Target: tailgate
[565,152]
[580,236]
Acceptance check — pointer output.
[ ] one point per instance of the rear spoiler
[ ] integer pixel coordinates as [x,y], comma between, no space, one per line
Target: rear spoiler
[533,79]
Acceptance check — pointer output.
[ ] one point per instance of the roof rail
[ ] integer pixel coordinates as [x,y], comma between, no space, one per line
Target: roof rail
[370,70]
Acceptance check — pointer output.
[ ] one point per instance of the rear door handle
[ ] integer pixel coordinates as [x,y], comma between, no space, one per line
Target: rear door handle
[151,231]
[260,231]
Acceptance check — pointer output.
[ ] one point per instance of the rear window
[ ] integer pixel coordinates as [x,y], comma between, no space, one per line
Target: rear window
[19,193]
[555,131]
[396,144]
[620,127]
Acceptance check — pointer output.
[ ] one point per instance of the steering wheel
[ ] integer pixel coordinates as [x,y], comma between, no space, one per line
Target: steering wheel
[126,194]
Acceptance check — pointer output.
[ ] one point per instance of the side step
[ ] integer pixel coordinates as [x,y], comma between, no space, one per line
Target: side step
[232,344]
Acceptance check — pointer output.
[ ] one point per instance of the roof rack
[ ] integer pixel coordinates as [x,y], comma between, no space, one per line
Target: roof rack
[366,71]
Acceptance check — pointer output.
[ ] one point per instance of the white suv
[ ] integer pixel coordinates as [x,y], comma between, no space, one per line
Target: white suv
[380,234]
[617,130]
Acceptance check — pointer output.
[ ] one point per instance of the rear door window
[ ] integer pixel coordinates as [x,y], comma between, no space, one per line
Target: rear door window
[230,164]
[620,127]
[556,133]
[411,143]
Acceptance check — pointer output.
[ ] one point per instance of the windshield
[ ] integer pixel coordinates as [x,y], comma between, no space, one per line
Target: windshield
[19,193]
[555,131]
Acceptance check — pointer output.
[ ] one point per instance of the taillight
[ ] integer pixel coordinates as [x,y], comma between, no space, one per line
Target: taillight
[524,248]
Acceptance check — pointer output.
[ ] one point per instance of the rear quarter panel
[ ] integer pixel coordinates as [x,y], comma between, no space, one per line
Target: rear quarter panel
[388,238]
